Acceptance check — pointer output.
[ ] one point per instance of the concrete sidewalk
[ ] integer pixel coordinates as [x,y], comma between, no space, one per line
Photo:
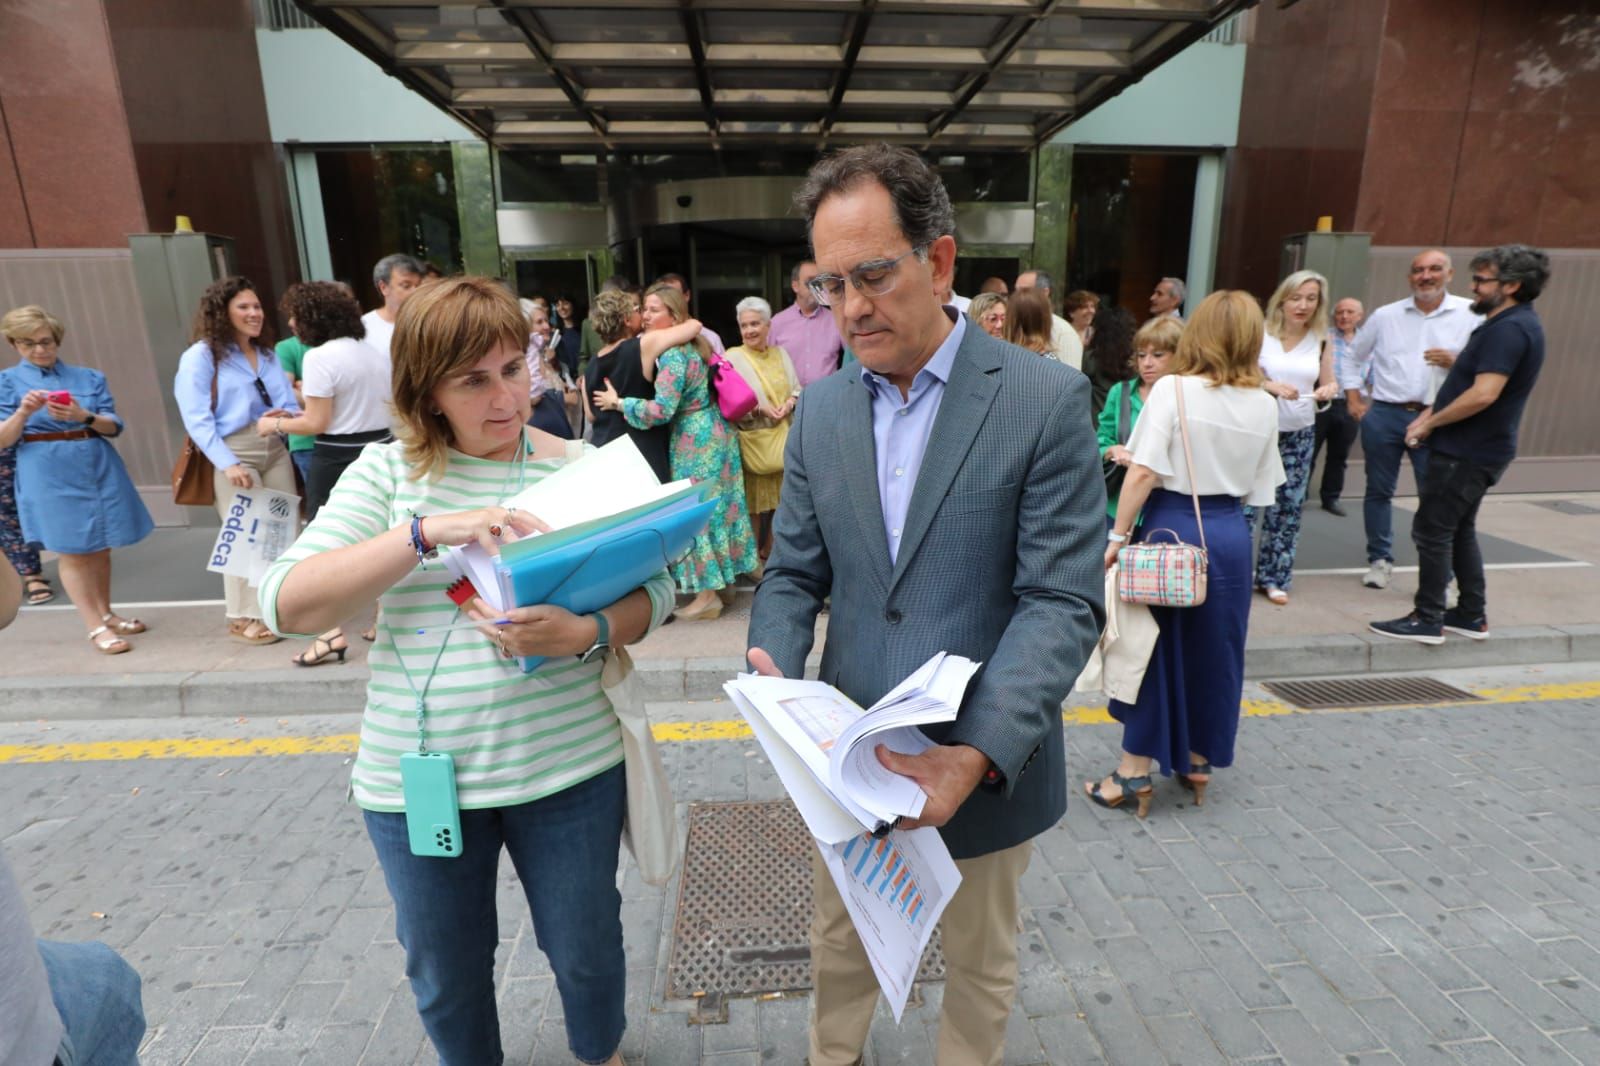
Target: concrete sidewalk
[1541,611]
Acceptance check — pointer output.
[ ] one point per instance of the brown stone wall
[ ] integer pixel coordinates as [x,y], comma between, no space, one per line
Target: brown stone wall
[67,173]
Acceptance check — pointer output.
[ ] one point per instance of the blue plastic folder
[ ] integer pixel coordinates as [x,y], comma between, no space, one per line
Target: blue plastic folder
[593,564]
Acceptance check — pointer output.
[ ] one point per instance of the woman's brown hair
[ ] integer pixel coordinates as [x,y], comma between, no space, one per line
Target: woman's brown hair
[678,308]
[1028,320]
[211,321]
[443,329]
[609,315]
[1222,341]
[322,311]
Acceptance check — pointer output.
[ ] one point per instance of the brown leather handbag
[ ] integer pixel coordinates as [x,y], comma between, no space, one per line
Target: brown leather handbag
[192,474]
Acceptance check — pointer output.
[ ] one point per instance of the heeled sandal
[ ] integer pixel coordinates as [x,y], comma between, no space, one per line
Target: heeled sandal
[38,590]
[334,645]
[125,626]
[1201,770]
[110,643]
[1140,788]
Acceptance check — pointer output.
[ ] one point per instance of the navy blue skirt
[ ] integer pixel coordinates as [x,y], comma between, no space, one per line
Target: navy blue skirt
[1189,700]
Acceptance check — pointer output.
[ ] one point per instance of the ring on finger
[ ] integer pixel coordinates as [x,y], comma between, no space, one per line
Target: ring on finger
[494,530]
[500,639]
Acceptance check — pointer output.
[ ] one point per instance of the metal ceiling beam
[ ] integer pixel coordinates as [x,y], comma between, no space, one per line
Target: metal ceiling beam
[852,52]
[538,43]
[697,52]
[997,58]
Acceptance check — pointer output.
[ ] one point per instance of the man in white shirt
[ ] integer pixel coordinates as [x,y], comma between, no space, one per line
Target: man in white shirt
[948,297]
[1168,297]
[397,277]
[1405,349]
[1064,340]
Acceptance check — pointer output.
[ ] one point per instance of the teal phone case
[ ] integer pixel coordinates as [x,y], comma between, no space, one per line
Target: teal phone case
[433,817]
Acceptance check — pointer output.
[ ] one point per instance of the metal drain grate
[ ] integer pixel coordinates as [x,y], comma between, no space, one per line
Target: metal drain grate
[744,905]
[1367,692]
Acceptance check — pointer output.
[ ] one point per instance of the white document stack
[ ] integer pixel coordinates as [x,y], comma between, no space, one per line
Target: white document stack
[895,883]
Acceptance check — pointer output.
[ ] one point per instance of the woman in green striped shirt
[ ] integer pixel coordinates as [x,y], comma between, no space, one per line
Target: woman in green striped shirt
[537,757]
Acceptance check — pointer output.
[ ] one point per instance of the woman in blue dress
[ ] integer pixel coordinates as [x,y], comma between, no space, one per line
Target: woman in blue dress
[74,496]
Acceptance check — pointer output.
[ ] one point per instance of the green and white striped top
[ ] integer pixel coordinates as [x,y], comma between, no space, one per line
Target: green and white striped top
[515,737]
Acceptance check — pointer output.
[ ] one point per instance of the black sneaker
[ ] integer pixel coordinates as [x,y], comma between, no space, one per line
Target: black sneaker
[1334,507]
[1410,628]
[1472,628]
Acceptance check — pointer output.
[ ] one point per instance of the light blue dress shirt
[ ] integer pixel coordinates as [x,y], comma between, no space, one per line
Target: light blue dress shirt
[900,429]
[238,403]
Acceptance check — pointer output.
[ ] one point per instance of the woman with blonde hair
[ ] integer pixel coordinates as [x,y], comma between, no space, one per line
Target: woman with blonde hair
[1028,321]
[74,496]
[703,449]
[1187,714]
[988,310]
[1153,349]
[535,760]
[770,373]
[1297,362]
[626,364]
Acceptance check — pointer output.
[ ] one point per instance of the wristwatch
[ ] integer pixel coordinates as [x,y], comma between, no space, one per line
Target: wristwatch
[89,418]
[602,639]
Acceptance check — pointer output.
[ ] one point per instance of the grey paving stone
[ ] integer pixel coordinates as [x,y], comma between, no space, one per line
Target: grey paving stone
[1259,934]
[224,1047]
[1337,966]
[740,1033]
[1227,956]
[1068,1038]
[1402,1034]
[1143,975]
[1583,1045]
[1095,907]
[1185,1040]
[1231,1027]
[1427,954]
[1296,1039]
[1332,910]
[1442,1017]
[1538,1003]
[346,1042]
[1325,1009]
[1163,933]
[258,998]
[1444,926]
[1192,860]
[1073,949]
[1116,1026]
[1509,1026]
[1354,853]
[1483,1053]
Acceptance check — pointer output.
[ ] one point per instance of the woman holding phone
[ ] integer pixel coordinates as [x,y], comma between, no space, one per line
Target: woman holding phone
[535,759]
[74,496]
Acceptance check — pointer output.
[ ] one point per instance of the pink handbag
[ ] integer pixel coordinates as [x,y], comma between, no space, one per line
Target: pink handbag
[735,398]
[1167,573]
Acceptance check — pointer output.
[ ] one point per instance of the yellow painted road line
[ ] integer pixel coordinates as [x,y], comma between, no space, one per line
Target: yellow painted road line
[666,732]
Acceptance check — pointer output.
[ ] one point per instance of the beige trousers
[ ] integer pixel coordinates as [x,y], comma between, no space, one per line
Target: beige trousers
[980,954]
[269,464]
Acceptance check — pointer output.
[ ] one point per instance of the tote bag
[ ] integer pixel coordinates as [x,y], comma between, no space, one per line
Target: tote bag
[1167,573]
[650,825]
[735,398]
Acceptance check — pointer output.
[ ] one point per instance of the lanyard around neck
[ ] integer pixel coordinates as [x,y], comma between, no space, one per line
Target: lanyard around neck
[422,695]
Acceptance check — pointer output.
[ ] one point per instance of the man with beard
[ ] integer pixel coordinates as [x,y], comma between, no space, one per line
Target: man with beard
[1472,429]
[1400,349]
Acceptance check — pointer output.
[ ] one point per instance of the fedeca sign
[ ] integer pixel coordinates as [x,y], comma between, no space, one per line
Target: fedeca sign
[259,525]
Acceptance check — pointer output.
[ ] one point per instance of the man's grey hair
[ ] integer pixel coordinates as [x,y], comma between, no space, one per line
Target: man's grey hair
[616,283]
[921,204]
[1180,291]
[794,272]
[1042,279]
[754,303]
[384,270]
[1517,262]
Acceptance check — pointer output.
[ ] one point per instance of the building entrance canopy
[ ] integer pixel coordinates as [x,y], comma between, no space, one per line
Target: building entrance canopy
[614,74]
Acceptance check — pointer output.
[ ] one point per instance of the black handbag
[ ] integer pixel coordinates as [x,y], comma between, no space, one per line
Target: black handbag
[1116,472]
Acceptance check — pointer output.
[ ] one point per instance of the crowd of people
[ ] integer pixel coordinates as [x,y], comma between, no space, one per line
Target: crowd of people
[407,428]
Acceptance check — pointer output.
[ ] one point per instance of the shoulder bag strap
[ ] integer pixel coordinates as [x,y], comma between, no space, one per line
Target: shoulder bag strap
[1125,413]
[216,372]
[1188,463]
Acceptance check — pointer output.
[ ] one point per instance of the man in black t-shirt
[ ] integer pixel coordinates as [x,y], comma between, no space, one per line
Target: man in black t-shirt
[1471,431]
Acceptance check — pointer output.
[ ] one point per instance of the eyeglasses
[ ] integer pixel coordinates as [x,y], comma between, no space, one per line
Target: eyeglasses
[28,345]
[1479,279]
[1149,353]
[876,278]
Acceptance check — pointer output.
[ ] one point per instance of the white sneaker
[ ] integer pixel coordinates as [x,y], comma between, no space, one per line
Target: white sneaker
[1378,574]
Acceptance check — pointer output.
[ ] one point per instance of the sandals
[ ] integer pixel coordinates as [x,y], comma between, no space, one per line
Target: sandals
[240,629]
[38,590]
[109,643]
[127,626]
[1140,788]
[1196,780]
[328,645]
[1275,595]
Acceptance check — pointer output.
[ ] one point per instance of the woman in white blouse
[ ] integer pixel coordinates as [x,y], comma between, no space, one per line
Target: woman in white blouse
[1297,361]
[1187,714]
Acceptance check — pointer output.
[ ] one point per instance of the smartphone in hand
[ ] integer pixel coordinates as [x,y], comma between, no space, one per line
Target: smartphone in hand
[61,397]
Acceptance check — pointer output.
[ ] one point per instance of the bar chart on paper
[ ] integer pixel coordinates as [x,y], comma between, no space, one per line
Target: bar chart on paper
[881,867]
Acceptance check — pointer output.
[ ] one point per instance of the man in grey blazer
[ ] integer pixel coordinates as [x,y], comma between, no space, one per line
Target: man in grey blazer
[947,495]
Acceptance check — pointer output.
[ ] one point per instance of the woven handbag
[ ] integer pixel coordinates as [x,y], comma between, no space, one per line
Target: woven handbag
[1167,573]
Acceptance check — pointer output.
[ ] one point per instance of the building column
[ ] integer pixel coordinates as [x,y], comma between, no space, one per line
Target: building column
[475,204]
[1205,229]
[311,225]
[1052,210]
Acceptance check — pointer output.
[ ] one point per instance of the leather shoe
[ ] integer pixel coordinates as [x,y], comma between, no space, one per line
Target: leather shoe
[1334,507]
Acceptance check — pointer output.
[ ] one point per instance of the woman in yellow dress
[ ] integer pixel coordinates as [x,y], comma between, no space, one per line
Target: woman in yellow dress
[770,374]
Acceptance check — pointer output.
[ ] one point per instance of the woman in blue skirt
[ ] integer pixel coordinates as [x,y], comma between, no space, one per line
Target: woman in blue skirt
[1187,713]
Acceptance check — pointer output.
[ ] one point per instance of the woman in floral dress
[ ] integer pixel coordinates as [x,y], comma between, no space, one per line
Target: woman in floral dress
[704,448]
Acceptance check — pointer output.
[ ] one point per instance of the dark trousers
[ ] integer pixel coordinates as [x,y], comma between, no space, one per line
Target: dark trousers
[1338,431]
[1445,532]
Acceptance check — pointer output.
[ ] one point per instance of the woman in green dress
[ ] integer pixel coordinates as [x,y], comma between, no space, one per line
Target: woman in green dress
[704,448]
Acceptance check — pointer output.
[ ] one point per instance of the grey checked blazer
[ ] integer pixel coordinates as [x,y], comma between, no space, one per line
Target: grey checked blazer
[1000,561]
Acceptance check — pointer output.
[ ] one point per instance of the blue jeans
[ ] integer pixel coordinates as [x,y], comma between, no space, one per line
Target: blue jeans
[302,463]
[1383,442]
[565,849]
[96,993]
